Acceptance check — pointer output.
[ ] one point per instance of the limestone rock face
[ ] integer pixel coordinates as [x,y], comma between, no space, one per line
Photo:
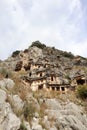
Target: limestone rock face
[33,100]
[16,102]
[35,53]
[36,125]
[53,128]
[11,122]
[53,104]
[47,70]
[72,106]
[5,108]
[27,125]
[3,96]
[8,120]
[58,115]
[69,117]
[7,84]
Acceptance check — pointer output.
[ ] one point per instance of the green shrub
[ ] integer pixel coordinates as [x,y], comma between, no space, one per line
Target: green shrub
[83,58]
[22,127]
[26,51]
[29,111]
[15,53]
[68,54]
[5,72]
[53,48]
[38,44]
[82,91]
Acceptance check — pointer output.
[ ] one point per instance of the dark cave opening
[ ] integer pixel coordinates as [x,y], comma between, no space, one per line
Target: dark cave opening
[80,81]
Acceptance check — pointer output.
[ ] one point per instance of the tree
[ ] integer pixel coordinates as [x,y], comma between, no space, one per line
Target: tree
[82,91]
[15,53]
[38,44]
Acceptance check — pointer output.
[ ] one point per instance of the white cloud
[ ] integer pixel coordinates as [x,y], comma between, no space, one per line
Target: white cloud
[57,23]
[79,48]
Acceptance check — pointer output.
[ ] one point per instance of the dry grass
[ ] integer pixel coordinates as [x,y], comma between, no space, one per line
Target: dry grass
[29,111]
[20,87]
[45,94]
[16,110]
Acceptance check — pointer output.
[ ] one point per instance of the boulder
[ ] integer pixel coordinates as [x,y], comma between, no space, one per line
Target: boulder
[53,128]
[53,104]
[46,122]
[36,127]
[5,108]
[7,84]
[27,125]
[11,122]
[33,100]
[75,123]
[35,124]
[68,117]
[8,120]
[16,103]
[3,96]
[53,114]
[73,106]
[35,53]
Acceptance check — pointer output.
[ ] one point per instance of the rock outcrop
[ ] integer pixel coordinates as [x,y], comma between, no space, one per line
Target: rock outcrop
[52,74]
[7,84]
[69,117]
[8,120]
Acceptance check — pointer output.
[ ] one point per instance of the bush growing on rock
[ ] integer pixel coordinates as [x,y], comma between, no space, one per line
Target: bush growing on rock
[22,127]
[68,55]
[26,51]
[15,53]
[82,91]
[38,44]
[5,72]
[29,111]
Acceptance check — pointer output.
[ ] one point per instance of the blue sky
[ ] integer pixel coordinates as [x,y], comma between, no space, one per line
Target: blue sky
[59,23]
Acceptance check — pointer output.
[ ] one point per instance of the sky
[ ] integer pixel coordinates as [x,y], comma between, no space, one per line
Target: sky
[58,23]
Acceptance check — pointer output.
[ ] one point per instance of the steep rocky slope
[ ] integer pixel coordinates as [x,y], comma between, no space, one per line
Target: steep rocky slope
[39,110]
[24,109]
[66,62]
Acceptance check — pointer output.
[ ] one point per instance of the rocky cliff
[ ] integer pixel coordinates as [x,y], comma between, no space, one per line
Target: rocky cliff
[36,90]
